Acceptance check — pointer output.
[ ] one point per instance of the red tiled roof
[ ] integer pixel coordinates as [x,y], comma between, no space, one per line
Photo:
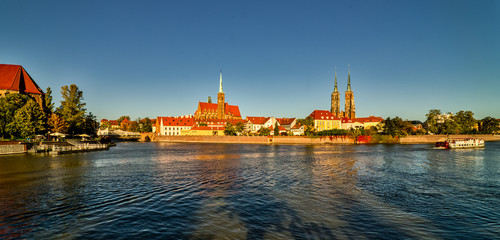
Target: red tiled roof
[104,120]
[177,121]
[258,120]
[113,122]
[369,119]
[285,121]
[14,77]
[281,128]
[323,115]
[229,109]
[297,126]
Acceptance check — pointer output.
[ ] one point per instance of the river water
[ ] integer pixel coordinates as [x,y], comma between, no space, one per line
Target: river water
[240,191]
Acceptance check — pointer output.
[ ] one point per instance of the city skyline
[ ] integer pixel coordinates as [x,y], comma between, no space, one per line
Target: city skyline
[161,58]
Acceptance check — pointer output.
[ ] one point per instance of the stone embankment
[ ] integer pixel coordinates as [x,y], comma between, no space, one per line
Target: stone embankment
[435,138]
[256,139]
[12,147]
[422,139]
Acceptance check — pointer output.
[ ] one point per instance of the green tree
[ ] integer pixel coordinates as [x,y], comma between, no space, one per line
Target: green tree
[449,127]
[465,121]
[90,124]
[145,125]
[276,129]
[133,126]
[308,126]
[29,120]
[72,108]
[49,105]
[229,130]
[240,126]
[105,125]
[489,125]
[431,124]
[9,105]
[264,131]
[120,120]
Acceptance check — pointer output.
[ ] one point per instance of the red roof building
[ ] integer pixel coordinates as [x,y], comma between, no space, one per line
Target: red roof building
[15,79]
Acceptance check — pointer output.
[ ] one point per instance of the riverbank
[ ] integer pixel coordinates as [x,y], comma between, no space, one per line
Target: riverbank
[421,139]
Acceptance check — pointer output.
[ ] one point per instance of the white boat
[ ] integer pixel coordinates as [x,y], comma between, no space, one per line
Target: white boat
[452,143]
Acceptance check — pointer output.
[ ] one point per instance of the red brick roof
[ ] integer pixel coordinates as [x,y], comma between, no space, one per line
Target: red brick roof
[258,120]
[285,121]
[369,119]
[14,77]
[212,107]
[177,121]
[323,115]
[297,126]
[281,128]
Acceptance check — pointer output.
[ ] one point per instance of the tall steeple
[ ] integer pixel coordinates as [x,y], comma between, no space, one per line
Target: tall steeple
[350,109]
[349,78]
[335,104]
[335,89]
[221,106]
[220,85]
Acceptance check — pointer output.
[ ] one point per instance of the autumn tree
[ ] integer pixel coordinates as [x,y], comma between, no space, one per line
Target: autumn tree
[57,123]
[145,125]
[264,131]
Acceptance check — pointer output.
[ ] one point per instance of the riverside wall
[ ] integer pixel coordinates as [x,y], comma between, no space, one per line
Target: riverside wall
[12,148]
[435,138]
[256,139]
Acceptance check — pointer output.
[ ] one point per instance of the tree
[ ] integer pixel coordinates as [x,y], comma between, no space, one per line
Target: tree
[465,121]
[229,130]
[489,125]
[29,120]
[145,125]
[120,120]
[49,105]
[449,127]
[105,125]
[72,108]
[264,131]
[57,123]
[9,105]
[90,124]
[240,126]
[308,126]
[276,129]
[133,126]
[431,122]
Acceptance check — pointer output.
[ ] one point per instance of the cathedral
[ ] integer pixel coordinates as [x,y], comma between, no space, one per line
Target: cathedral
[350,110]
[217,111]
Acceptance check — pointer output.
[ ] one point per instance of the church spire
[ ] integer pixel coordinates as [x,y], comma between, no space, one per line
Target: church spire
[220,85]
[349,78]
[335,89]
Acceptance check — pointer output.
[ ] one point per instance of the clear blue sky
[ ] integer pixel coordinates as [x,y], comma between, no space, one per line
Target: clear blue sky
[159,58]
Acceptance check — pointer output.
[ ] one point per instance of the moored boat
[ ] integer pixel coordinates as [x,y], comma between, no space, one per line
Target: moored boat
[452,143]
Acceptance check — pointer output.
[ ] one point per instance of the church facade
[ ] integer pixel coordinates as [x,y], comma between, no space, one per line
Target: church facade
[350,109]
[220,110]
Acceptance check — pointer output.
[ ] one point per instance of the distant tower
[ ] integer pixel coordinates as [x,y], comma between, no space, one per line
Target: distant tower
[350,109]
[335,107]
[209,99]
[220,100]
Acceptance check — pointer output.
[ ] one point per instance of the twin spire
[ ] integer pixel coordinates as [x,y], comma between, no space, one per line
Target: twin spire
[335,89]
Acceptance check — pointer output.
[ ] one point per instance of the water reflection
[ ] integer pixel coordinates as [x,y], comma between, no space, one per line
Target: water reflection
[237,191]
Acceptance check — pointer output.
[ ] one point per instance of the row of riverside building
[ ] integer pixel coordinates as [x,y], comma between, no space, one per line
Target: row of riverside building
[212,118]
